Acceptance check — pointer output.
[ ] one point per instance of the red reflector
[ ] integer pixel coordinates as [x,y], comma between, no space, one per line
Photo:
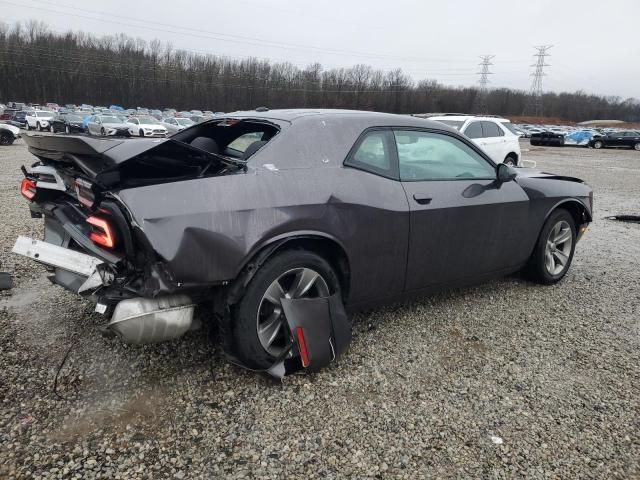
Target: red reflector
[104,236]
[28,189]
[302,346]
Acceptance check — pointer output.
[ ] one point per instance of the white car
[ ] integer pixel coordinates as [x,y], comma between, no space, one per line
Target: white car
[146,126]
[176,124]
[493,135]
[38,119]
[8,134]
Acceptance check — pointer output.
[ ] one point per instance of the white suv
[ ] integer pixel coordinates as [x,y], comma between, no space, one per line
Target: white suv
[493,135]
[38,119]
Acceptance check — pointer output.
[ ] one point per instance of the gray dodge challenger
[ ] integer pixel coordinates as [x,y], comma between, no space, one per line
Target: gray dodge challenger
[241,215]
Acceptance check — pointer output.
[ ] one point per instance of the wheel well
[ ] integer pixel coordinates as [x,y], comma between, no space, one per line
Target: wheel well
[512,155]
[328,249]
[577,210]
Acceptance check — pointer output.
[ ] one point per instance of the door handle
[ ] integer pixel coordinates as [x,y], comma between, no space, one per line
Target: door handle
[422,199]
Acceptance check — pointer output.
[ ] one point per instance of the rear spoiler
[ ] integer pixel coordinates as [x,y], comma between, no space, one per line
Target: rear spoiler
[112,151]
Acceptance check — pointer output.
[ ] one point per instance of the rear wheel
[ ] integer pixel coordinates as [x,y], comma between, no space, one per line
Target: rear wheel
[597,144]
[511,160]
[259,330]
[637,147]
[554,250]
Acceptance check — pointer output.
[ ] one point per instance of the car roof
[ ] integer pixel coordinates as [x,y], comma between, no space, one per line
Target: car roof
[374,118]
[463,118]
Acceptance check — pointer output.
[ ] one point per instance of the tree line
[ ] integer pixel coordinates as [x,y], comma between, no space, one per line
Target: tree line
[38,65]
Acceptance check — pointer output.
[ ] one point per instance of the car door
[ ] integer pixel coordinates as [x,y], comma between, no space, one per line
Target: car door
[463,224]
[493,141]
[94,126]
[474,131]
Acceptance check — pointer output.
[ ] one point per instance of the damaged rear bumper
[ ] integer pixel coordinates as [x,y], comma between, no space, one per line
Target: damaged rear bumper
[134,320]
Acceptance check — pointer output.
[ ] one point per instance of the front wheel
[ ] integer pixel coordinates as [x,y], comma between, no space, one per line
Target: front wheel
[554,250]
[141,133]
[51,129]
[103,132]
[597,144]
[38,127]
[6,139]
[637,147]
[259,330]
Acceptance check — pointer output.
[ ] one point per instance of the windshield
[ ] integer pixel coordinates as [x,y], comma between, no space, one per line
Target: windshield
[110,120]
[147,120]
[73,118]
[452,123]
[43,114]
[184,121]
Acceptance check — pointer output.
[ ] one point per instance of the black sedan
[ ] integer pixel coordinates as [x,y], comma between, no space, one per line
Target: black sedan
[628,139]
[258,209]
[67,123]
[547,139]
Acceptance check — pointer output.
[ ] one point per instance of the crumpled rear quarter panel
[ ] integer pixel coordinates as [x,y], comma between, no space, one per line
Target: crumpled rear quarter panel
[206,229]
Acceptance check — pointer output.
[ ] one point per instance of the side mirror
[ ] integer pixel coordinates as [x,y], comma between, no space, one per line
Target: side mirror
[504,173]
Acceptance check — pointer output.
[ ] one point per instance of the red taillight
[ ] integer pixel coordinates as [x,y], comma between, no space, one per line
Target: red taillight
[28,189]
[102,233]
[302,346]
[84,192]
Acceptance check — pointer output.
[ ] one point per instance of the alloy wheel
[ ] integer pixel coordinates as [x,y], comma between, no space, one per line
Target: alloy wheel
[597,145]
[637,146]
[273,331]
[558,249]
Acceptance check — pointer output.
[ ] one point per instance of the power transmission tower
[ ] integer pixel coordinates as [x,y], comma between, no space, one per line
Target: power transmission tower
[481,98]
[534,103]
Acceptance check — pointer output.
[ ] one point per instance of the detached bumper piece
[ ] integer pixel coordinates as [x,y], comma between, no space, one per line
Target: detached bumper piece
[56,256]
[320,333]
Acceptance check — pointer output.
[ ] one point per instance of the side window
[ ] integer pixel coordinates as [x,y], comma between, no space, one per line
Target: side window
[490,129]
[241,143]
[373,153]
[473,130]
[433,156]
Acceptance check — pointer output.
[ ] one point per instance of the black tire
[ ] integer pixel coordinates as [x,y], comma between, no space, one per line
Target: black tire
[598,144]
[637,147]
[103,132]
[51,129]
[243,333]
[141,133]
[38,127]
[536,269]
[6,139]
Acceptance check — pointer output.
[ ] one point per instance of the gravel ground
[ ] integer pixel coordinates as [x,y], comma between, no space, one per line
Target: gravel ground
[508,379]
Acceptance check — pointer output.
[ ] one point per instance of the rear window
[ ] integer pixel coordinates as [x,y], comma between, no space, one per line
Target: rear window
[452,123]
[510,127]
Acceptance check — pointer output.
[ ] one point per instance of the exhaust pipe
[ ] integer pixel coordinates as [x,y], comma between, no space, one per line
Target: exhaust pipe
[152,320]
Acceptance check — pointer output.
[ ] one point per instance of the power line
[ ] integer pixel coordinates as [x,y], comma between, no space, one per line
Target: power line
[194,32]
[534,103]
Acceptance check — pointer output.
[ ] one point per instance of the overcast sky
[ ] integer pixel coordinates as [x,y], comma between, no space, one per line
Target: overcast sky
[596,43]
